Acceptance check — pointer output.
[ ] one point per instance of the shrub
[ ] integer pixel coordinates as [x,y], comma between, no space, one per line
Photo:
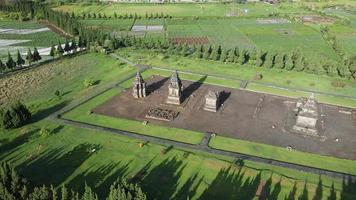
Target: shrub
[338,84]
[89,82]
[14,116]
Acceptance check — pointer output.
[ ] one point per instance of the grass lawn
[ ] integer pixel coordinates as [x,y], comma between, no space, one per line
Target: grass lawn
[282,154]
[109,24]
[282,78]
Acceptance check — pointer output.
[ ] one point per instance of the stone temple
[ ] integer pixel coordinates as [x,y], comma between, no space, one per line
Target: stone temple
[139,86]
[307,116]
[175,90]
[211,101]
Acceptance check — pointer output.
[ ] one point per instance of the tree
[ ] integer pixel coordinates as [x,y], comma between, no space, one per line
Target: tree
[199,52]
[260,58]
[14,116]
[73,45]
[231,56]
[185,50]
[2,66]
[242,57]
[36,55]
[64,193]
[29,57]
[279,61]
[288,62]
[269,61]
[89,194]
[207,52]
[224,55]
[52,53]
[215,53]
[67,46]
[60,50]
[10,63]
[19,61]
[122,190]
[253,57]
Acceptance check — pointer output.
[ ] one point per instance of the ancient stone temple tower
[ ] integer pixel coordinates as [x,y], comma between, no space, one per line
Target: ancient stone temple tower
[211,101]
[175,90]
[139,86]
[307,116]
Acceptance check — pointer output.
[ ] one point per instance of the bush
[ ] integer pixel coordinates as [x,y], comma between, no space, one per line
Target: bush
[14,116]
[89,82]
[338,84]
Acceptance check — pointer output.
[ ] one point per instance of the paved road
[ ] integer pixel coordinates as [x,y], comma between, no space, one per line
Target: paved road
[205,148]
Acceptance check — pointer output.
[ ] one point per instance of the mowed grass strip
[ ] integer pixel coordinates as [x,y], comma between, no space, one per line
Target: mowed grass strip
[282,154]
[279,77]
[82,114]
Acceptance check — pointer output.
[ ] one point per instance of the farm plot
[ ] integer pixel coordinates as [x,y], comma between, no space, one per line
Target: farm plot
[219,32]
[109,24]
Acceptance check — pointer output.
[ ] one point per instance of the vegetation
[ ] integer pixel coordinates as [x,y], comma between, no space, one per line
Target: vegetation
[14,116]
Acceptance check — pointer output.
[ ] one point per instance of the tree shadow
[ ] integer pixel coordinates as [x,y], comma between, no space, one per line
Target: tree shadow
[12,145]
[292,193]
[162,180]
[332,195]
[57,129]
[348,189]
[39,115]
[100,179]
[54,166]
[229,184]
[319,191]
[192,88]
[304,195]
[156,85]
[188,190]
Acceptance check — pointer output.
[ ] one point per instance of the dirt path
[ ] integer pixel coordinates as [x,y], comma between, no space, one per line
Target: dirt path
[55,29]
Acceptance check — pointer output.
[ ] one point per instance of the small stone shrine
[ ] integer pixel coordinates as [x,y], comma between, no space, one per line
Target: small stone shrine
[307,116]
[211,101]
[161,114]
[175,90]
[139,86]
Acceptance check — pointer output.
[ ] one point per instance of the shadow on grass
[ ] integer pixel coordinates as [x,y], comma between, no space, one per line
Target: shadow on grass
[100,178]
[56,165]
[348,189]
[162,181]
[12,145]
[38,116]
[229,184]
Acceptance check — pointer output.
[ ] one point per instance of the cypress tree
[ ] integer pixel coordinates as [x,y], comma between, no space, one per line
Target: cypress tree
[279,61]
[2,66]
[215,53]
[60,50]
[207,52]
[242,57]
[269,60]
[53,51]
[237,55]
[29,57]
[36,55]
[260,58]
[231,56]
[19,61]
[10,63]
[288,62]
[223,56]
[67,46]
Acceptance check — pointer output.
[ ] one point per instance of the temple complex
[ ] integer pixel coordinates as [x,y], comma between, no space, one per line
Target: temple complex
[307,116]
[139,86]
[175,90]
[211,101]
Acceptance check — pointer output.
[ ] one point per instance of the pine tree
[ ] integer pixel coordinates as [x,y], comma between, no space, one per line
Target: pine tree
[231,56]
[64,193]
[279,61]
[207,52]
[288,62]
[53,51]
[73,45]
[199,52]
[260,58]
[252,57]
[215,53]
[36,55]
[10,63]
[185,50]
[223,56]
[242,58]
[269,62]
[67,46]
[89,194]
[19,61]
[54,193]
[60,50]
[237,55]
[2,66]
[29,57]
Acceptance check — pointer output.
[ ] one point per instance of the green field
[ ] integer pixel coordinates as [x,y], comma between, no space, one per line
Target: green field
[109,24]
[282,78]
